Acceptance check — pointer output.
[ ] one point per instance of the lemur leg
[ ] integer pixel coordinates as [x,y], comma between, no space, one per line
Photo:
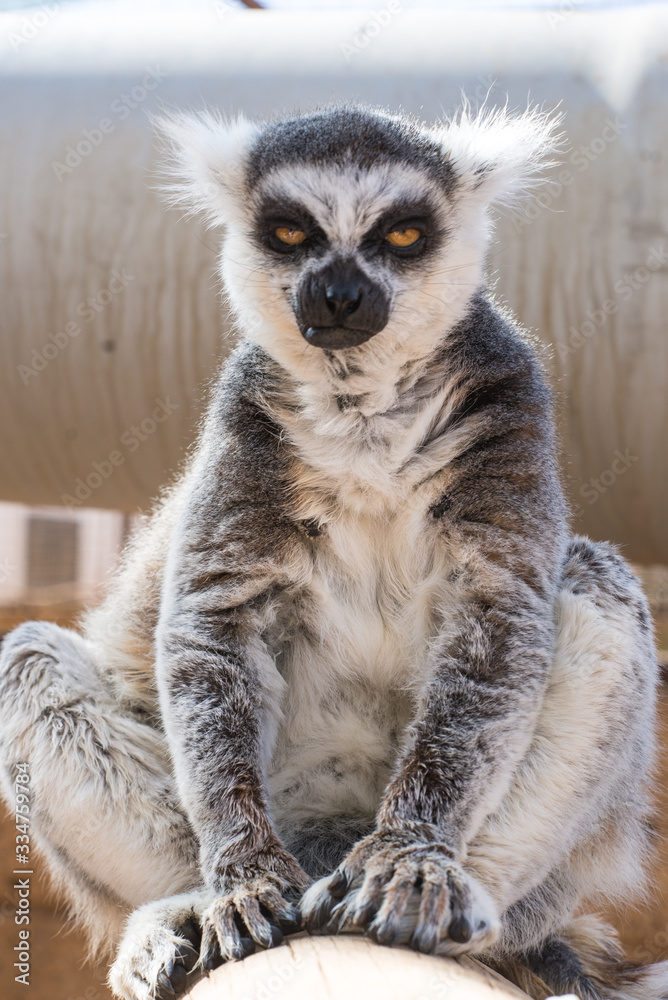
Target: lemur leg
[576,813]
[573,824]
[102,804]
[580,801]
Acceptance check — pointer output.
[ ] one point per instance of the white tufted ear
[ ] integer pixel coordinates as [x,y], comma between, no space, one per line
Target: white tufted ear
[498,155]
[204,163]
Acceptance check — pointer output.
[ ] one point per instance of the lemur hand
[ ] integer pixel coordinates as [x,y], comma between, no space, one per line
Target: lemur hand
[251,909]
[403,890]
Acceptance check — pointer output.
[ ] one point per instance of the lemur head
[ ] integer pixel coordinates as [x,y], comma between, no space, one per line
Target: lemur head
[350,229]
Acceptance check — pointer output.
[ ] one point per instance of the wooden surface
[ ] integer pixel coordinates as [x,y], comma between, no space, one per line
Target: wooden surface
[350,968]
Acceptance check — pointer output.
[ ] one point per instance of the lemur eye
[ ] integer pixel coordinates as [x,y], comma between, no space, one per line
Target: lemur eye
[292,237]
[403,237]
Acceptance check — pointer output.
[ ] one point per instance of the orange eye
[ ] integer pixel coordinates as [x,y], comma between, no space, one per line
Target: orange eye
[290,236]
[403,237]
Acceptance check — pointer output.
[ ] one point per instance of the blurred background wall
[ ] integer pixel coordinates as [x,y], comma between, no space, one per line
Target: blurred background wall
[111,318]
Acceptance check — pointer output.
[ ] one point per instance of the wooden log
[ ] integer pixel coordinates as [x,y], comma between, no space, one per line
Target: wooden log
[351,968]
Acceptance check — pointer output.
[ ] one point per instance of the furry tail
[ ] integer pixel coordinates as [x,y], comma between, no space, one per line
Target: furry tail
[587,960]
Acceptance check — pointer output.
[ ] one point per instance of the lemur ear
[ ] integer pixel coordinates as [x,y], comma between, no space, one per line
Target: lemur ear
[496,155]
[204,161]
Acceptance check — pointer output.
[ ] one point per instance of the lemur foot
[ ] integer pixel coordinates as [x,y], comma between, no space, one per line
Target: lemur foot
[171,943]
[159,954]
[401,892]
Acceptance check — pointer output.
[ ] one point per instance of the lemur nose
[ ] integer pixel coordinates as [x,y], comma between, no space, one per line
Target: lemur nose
[343,298]
[340,306]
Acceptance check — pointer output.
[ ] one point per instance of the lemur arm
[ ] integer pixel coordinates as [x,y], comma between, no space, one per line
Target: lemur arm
[501,516]
[216,685]
[478,711]
[230,554]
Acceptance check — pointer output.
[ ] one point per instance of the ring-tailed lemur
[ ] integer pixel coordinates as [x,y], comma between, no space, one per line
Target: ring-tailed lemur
[356,642]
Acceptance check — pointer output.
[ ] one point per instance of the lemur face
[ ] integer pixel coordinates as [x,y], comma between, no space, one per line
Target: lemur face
[343,256]
[351,229]
[351,213]
[344,218]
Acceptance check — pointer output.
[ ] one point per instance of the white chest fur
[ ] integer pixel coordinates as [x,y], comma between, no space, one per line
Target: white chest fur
[354,642]
[354,649]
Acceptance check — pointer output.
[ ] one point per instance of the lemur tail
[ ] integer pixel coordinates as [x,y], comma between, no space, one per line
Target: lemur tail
[585,959]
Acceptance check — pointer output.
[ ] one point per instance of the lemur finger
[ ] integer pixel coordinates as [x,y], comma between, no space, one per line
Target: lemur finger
[354,864]
[179,979]
[172,979]
[461,928]
[386,926]
[286,915]
[339,883]
[259,928]
[317,905]
[220,923]
[433,911]
[347,876]
[210,956]
[164,987]
[247,946]
[369,899]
